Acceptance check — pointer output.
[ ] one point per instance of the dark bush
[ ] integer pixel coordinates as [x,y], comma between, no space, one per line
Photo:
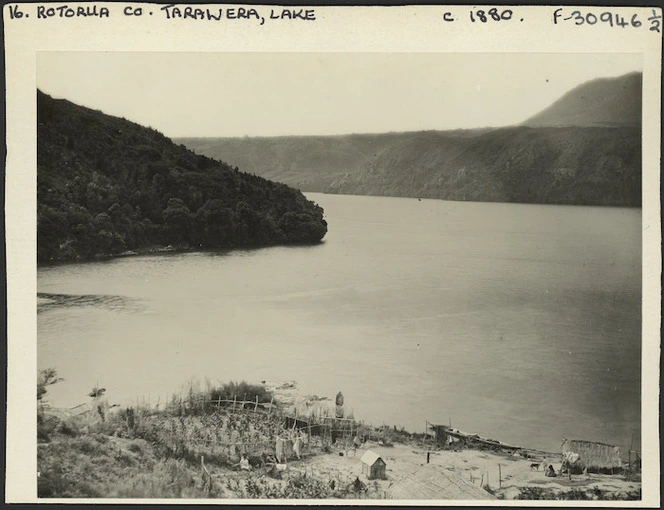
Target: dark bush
[242,391]
[69,428]
[46,425]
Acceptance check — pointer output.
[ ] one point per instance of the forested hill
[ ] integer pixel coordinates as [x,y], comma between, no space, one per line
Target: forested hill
[106,185]
[584,149]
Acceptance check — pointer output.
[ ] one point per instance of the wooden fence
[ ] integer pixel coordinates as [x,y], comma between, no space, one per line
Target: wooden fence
[328,429]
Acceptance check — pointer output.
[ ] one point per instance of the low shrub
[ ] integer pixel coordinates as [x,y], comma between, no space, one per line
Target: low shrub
[307,487]
[169,479]
[242,390]
[136,446]
[576,494]
[69,428]
[88,444]
[46,426]
[125,459]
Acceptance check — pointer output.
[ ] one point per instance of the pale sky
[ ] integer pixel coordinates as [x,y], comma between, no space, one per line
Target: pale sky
[273,94]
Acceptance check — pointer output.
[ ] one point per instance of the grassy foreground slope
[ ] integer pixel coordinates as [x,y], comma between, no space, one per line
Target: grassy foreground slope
[106,185]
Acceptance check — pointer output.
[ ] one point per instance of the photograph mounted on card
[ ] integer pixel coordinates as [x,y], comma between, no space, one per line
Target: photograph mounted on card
[257,252]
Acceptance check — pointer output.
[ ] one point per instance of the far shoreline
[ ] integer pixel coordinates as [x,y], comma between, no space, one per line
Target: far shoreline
[435,199]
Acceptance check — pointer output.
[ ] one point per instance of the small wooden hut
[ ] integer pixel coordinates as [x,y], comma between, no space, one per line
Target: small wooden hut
[373,466]
[595,457]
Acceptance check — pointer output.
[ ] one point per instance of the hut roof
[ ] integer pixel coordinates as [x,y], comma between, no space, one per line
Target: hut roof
[431,482]
[593,454]
[474,437]
[370,457]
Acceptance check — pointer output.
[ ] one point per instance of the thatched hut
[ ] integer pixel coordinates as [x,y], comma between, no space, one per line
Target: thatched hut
[593,456]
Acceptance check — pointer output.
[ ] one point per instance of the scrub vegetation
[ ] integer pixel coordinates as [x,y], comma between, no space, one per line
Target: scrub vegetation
[107,186]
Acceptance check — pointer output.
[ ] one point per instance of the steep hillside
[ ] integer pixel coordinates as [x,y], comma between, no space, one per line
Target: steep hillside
[106,185]
[310,163]
[601,102]
[584,149]
[589,166]
[566,165]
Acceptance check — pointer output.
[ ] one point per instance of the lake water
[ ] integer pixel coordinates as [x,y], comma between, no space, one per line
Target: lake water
[521,323]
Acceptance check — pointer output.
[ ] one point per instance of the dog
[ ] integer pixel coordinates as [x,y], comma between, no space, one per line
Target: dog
[535,466]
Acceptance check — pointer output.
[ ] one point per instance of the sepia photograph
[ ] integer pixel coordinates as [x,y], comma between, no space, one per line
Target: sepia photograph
[365,255]
[380,276]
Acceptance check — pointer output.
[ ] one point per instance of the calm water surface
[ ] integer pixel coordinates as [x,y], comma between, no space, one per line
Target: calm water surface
[518,322]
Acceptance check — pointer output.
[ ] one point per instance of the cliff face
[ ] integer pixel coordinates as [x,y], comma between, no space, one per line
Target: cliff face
[584,149]
[106,185]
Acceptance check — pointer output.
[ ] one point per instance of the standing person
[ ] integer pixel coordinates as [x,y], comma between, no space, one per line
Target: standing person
[356,444]
[428,456]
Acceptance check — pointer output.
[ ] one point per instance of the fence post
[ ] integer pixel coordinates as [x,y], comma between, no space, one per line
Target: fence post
[207,479]
[629,462]
[256,408]
[234,397]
